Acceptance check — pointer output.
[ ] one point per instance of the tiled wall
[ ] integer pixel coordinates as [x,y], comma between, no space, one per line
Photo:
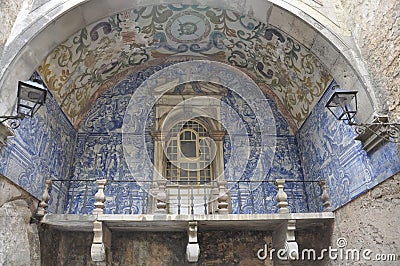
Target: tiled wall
[45,147]
[42,148]
[260,198]
[101,134]
[328,151]
[99,153]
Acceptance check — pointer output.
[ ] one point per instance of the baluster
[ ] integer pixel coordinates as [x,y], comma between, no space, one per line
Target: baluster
[179,198]
[251,196]
[205,198]
[143,197]
[264,184]
[214,198]
[222,198]
[41,211]
[325,196]
[132,188]
[239,197]
[314,201]
[99,197]
[162,196]
[85,197]
[191,200]
[281,196]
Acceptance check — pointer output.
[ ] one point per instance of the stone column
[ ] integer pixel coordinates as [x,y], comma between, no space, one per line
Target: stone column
[218,137]
[221,203]
[159,137]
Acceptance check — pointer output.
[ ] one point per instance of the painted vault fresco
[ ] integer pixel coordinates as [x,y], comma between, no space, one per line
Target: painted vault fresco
[95,55]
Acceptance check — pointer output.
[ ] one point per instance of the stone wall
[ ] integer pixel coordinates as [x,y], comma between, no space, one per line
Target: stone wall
[19,240]
[376,26]
[371,221]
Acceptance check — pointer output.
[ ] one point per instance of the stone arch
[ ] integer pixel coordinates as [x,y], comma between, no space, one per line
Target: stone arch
[27,49]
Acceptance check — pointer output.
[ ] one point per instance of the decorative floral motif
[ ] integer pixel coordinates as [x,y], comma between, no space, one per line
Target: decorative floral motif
[96,54]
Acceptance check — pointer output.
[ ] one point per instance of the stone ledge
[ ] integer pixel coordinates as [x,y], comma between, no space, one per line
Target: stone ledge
[70,222]
[169,222]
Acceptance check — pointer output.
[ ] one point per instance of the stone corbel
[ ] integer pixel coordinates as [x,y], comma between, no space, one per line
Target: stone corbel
[101,246]
[284,243]
[192,248]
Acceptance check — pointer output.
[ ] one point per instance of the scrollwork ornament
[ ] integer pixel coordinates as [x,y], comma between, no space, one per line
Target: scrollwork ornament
[359,129]
[393,131]
[13,122]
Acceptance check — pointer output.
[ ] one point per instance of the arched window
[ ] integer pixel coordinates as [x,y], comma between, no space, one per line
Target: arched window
[188,154]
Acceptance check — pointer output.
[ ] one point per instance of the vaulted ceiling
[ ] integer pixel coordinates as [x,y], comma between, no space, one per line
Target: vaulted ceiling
[99,55]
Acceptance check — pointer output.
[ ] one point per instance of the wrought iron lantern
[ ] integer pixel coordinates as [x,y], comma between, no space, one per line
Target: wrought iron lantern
[343,105]
[30,97]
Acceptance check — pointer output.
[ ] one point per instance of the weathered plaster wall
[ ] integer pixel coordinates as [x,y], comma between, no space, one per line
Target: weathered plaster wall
[376,27]
[8,14]
[317,238]
[65,248]
[19,239]
[145,248]
[169,248]
[371,221]
[233,248]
